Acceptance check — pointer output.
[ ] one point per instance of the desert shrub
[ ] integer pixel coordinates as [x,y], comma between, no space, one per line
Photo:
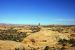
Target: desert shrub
[72,41]
[46,48]
[73,29]
[52,48]
[35,29]
[59,29]
[63,42]
[16,48]
[12,35]
[63,48]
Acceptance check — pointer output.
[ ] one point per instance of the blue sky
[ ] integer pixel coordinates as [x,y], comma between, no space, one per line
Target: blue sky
[37,11]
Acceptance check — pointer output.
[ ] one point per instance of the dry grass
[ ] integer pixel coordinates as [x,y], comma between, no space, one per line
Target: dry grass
[44,38]
[39,40]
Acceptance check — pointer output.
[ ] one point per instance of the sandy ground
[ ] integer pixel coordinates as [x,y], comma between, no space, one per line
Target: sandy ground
[11,45]
[39,39]
[44,38]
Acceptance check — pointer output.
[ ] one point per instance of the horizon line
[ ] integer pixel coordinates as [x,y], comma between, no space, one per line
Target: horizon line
[32,24]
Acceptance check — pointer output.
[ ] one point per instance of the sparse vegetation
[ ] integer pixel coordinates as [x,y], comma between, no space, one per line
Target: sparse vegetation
[12,35]
[35,29]
[52,37]
[16,48]
[46,48]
